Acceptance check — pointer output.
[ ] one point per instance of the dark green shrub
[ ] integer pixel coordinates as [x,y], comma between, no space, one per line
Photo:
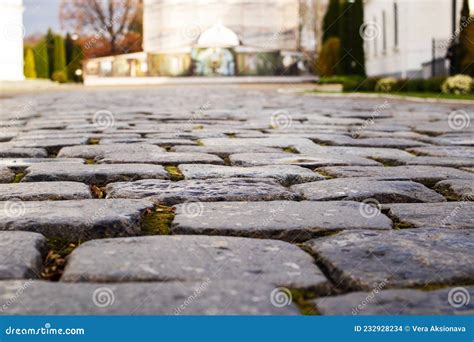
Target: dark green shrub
[60,76]
[415,85]
[434,84]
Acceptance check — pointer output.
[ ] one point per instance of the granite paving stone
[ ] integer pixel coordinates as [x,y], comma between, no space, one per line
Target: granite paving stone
[21,255]
[101,151]
[98,174]
[458,189]
[193,258]
[44,191]
[455,215]
[20,152]
[6,175]
[395,302]
[202,190]
[76,220]
[216,297]
[400,258]
[285,220]
[311,161]
[427,175]
[284,174]
[359,189]
[168,158]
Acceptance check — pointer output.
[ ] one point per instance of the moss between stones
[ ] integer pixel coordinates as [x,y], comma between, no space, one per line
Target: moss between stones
[323,173]
[199,143]
[90,161]
[386,162]
[290,149]
[93,141]
[55,261]
[174,172]
[231,135]
[157,221]
[301,299]
[18,177]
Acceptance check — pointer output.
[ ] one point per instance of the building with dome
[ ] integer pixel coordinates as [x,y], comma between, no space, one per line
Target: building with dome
[11,40]
[216,38]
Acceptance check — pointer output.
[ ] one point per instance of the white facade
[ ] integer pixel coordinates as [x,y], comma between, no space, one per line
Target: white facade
[11,40]
[175,25]
[399,34]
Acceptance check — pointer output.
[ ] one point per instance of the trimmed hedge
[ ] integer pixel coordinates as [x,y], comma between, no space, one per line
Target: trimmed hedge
[415,85]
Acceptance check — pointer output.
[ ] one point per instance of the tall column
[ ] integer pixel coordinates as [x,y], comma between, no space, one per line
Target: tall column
[11,40]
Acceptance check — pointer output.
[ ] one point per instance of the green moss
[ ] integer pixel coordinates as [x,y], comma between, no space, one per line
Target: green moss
[18,177]
[199,143]
[386,162]
[290,149]
[90,161]
[198,127]
[231,135]
[93,141]
[323,173]
[174,172]
[59,249]
[157,221]
[302,300]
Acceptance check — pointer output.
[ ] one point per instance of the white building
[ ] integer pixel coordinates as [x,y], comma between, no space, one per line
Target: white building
[399,35]
[11,40]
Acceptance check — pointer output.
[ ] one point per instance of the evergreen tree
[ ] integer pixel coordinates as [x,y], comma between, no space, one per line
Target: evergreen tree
[75,63]
[50,51]
[352,43]
[68,46]
[466,38]
[59,54]
[42,60]
[332,21]
[29,66]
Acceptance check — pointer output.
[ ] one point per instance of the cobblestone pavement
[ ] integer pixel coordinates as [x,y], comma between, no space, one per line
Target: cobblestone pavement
[230,200]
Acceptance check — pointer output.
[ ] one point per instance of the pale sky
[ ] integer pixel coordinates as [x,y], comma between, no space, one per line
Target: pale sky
[41,14]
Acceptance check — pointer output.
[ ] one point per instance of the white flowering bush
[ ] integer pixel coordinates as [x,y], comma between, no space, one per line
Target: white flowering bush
[385,85]
[458,84]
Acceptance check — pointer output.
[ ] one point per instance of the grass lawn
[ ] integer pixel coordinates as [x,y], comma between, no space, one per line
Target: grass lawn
[413,94]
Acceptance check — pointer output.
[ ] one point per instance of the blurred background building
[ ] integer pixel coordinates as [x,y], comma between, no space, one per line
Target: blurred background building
[410,38]
[220,38]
